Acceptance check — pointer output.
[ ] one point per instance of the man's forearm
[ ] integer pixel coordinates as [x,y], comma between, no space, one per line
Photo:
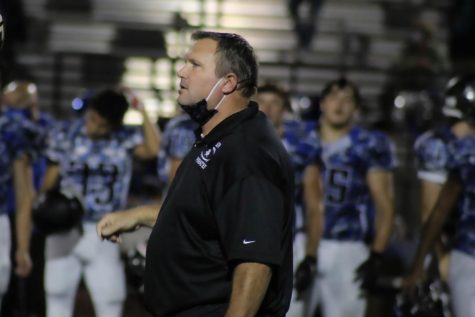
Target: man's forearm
[50,178]
[430,232]
[23,228]
[24,192]
[314,230]
[151,134]
[381,188]
[250,282]
[113,224]
[313,201]
[384,224]
[147,215]
[445,203]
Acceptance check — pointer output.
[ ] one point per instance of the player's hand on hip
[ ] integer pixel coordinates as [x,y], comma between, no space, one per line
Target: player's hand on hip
[112,225]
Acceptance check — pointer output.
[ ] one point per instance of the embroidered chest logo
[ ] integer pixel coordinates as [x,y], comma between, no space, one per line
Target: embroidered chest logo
[206,155]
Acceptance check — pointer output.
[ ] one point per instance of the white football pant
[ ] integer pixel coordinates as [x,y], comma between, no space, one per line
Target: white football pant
[89,257]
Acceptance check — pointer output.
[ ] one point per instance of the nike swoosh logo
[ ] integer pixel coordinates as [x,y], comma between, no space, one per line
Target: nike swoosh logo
[248,241]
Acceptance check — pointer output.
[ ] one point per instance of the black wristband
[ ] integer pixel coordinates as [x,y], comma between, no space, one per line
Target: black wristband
[310,258]
[376,254]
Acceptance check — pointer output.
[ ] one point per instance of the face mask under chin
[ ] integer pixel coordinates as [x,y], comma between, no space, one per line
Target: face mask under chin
[199,112]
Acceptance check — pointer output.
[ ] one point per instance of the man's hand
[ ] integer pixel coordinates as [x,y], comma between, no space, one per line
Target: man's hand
[369,271]
[132,97]
[113,224]
[305,274]
[411,281]
[23,263]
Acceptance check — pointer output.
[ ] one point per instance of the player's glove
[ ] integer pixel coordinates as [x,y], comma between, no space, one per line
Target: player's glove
[369,271]
[304,274]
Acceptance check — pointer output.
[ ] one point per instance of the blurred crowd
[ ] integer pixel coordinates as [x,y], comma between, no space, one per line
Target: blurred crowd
[353,255]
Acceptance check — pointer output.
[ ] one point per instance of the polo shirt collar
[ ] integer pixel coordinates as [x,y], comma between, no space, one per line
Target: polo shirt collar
[227,126]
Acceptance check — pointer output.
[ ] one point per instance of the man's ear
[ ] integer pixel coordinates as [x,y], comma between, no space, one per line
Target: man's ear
[231,84]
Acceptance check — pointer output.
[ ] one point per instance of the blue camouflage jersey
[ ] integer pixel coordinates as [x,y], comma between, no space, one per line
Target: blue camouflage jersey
[432,154]
[348,208]
[99,170]
[36,133]
[462,164]
[432,159]
[45,124]
[294,131]
[177,139]
[12,144]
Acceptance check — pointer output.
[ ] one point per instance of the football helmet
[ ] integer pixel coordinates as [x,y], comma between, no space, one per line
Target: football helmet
[460,98]
[58,211]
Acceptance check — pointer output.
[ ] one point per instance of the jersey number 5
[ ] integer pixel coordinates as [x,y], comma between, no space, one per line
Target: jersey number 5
[337,183]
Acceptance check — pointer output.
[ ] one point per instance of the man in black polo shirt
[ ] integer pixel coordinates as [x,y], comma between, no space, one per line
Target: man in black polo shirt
[221,243]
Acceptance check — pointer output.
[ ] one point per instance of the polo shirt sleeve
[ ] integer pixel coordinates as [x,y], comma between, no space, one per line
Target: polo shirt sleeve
[250,219]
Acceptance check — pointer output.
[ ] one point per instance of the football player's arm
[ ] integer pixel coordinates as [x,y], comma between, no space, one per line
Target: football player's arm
[51,178]
[24,192]
[150,147]
[446,202]
[431,153]
[380,183]
[113,224]
[250,283]
[429,193]
[313,201]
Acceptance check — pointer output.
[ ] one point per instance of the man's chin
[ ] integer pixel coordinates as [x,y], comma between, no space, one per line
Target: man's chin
[183,102]
[340,124]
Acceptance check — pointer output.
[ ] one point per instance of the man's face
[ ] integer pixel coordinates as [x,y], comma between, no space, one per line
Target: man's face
[339,107]
[197,75]
[273,106]
[96,125]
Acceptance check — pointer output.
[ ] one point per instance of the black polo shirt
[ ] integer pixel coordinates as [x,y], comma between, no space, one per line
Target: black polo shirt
[231,201]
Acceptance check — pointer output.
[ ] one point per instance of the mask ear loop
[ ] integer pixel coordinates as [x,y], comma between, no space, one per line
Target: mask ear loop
[220,102]
[213,89]
[225,94]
